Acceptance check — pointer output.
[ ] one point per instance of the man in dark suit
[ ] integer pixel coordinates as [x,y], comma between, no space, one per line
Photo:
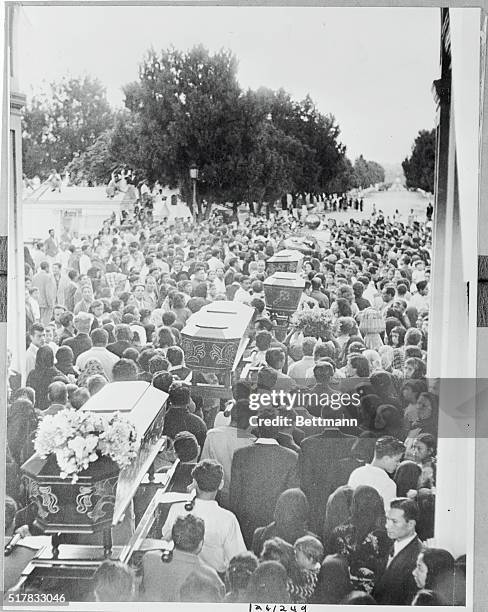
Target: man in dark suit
[81,342]
[396,587]
[123,336]
[259,474]
[176,357]
[318,462]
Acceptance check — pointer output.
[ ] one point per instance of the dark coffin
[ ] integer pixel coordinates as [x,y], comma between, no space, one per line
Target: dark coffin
[287,260]
[103,492]
[213,336]
[282,292]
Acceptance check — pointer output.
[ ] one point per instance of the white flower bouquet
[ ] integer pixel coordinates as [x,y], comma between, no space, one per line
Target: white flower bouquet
[78,438]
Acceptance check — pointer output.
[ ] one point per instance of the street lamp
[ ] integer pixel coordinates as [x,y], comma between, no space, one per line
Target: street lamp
[194,178]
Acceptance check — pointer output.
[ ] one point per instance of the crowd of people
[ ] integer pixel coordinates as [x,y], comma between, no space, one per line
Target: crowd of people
[283,513]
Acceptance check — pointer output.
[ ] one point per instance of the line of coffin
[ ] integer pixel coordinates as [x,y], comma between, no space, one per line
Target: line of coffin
[214,336]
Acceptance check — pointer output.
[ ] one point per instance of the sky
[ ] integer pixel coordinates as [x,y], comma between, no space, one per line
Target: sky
[372,68]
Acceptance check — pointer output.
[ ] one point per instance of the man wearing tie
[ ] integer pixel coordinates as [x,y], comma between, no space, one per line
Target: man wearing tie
[397,586]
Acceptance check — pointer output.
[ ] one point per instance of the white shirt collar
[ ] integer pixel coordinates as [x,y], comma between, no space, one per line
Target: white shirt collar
[398,546]
[266,441]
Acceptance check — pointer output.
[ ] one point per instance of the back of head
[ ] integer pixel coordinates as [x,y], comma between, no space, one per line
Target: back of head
[241,568]
[163,381]
[175,355]
[114,581]
[57,393]
[99,337]
[95,383]
[124,370]
[241,414]
[123,333]
[268,583]
[291,512]
[179,394]
[199,588]
[367,510]
[208,474]
[440,569]
[83,322]
[79,398]
[308,346]
[358,598]
[186,446]
[333,582]
[44,357]
[388,446]
[188,532]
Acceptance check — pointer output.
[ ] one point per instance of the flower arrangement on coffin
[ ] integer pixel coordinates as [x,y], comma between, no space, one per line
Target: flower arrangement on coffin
[316,322]
[79,438]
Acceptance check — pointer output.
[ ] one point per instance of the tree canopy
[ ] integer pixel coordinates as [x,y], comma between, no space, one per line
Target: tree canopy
[419,168]
[62,123]
[188,108]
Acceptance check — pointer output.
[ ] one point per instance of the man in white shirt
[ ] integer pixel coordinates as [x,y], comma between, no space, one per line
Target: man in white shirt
[85,261]
[215,262]
[387,456]
[298,370]
[222,442]
[223,538]
[242,295]
[38,339]
[420,300]
[99,351]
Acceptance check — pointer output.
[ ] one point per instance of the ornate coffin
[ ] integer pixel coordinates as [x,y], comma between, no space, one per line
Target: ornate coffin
[282,293]
[287,260]
[214,336]
[103,492]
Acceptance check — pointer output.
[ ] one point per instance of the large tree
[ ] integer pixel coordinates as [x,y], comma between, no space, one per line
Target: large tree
[366,173]
[419,168]
[63,123]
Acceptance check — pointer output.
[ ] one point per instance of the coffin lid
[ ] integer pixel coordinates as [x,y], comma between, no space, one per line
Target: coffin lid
[285,279]
[137,400]
[221,320]
[286,255]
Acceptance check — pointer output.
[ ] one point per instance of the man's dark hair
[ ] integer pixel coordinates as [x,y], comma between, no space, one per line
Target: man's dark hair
[123,332]
[388,446]
[95,383]
[360,364]
[66,319]
[199,589]
[79,398]
[264,323]
[323,371]
[186,446]
[358,288]
[144,357]
[99,337]
[72,274]
[409,507]
[263,340]
[241,413]
[158,363]
[324,349]
[163,381]
[57,393]
[179,394]
[114,581]
[275,358]
[421,285]
[124,370]
[131,353]
[429,441]
[267,431]
[175,355]
[168,318]
[200,291]
[188,533]
[241,390]
[208,475]
[36,327]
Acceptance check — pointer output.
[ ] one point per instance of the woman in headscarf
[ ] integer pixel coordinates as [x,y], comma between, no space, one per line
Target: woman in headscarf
[388,422]
[382,383]
[65,361]
[92,367]
[334,582]
[268,583]
[22,423]
[363,540]
[407,477]
[434,572]
[290,520]
[337,511]
[42,376]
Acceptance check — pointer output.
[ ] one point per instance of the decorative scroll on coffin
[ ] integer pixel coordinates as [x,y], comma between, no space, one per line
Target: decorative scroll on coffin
[287,260]
[102,493]
[212,337]
[282,292]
